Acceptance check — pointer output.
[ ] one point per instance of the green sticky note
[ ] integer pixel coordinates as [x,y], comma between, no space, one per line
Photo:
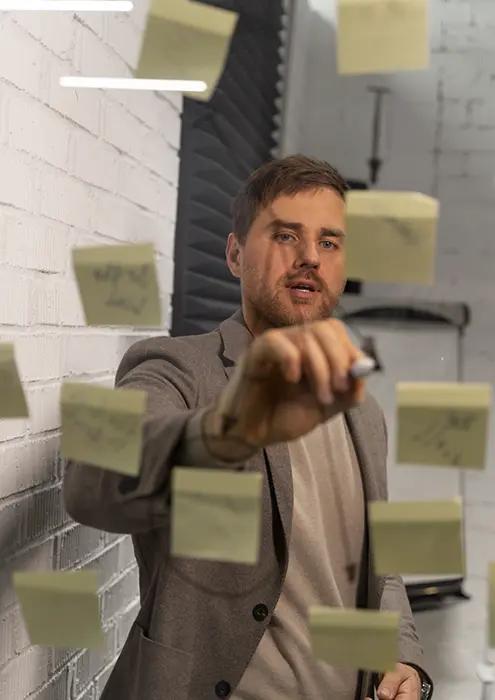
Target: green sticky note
[382,36]
[417,537]
[216,514]
[103,427]
[12,399]
[60,608]
[118,285]
[443,424]
[391,236]
[360,639]
[491,605]
[186,40]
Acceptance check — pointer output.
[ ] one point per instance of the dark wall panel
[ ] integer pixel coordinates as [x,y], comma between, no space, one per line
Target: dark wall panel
[222,142]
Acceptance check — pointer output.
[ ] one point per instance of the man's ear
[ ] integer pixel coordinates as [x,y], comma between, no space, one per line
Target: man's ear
[233,255]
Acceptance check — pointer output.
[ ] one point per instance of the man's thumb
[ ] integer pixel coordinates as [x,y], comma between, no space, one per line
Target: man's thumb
[389,687]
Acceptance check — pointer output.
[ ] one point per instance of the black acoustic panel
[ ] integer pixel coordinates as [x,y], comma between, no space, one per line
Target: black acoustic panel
[222,142]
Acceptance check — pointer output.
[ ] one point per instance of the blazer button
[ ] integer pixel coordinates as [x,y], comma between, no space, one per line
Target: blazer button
[260,612]
[222,689]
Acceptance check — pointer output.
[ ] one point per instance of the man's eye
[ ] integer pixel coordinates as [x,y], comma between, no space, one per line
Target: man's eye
[329,245]
[284,236]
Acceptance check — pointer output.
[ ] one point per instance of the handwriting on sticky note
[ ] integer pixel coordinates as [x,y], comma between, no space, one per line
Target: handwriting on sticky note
[442,424]
[12,399]
[118,285]
[216,514]
[359,639]
[60,608]
[103,427]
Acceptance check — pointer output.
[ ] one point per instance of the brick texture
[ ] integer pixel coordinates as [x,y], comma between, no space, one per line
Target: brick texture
[80,168]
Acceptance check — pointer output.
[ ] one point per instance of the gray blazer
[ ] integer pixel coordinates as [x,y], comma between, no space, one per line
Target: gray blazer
[195,632]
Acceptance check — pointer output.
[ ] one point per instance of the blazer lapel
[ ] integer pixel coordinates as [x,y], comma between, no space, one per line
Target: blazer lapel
[367,595]
[236,338]
[368,455]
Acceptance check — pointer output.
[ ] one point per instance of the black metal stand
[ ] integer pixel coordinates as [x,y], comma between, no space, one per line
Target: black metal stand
[425,595]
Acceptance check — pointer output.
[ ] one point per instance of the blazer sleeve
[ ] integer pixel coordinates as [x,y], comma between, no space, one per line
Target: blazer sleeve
[166,369]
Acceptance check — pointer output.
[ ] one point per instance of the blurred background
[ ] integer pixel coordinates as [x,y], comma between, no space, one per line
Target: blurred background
[81,167]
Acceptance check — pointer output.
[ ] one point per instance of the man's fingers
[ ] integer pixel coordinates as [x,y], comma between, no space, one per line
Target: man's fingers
[274,349]
[389,687]
[316,368]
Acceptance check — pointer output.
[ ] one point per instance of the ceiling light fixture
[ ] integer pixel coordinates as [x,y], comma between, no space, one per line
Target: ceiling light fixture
[76,81]
[66,5]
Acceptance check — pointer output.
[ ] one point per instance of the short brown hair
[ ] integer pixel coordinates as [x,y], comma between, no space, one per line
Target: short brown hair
[287,176]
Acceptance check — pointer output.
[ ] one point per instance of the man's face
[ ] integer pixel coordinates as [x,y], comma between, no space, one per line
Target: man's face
[295,240]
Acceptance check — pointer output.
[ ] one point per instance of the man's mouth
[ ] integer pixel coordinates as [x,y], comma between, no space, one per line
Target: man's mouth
[307,287]
[303,290]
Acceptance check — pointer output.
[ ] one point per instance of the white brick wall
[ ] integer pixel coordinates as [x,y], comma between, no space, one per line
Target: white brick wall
[78,168]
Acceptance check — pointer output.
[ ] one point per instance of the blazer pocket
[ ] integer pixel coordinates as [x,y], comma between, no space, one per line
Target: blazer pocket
[148,670]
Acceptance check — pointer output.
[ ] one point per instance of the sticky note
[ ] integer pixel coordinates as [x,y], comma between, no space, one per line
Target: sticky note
[442,423]
[359,639]
[12,399]
[382,36]
[391,236]
[417,537]
[60,608]
[118,285]
[186,40]
[491,605]
[216,514]
[103,427]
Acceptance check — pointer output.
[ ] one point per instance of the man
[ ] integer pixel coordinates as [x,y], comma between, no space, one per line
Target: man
[268,390]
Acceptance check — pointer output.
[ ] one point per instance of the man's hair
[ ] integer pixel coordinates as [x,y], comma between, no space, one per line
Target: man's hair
[283,176]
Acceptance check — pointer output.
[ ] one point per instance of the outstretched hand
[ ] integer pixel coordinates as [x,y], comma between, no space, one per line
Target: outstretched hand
[403,683]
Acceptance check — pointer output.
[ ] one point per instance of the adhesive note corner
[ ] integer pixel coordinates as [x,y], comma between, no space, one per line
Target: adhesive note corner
[118,285]
[60,608]
[443,423]
[186,40]
[417,537]
[12,399]
[391,236]
[103,427]
[359,639]
[216,514]
[382,36]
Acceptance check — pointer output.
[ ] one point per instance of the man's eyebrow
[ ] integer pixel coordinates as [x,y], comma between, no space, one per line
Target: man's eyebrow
[297,226]
[280,223]
[334,232]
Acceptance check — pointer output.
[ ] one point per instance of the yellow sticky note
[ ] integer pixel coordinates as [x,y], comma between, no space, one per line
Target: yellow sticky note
[491,605]
[443,424]
[12,399]
[391,236]
[417,537]
[358,639]
[382,36]
[60,608]
[103,427]
[118,285]
[186,40]
[216,514]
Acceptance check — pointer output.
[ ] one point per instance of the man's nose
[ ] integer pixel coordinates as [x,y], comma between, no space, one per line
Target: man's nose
[308,255]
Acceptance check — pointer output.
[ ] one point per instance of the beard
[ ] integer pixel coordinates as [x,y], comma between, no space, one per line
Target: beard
[277,310]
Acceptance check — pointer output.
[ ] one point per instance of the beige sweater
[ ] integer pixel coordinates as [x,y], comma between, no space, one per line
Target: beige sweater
[327,535]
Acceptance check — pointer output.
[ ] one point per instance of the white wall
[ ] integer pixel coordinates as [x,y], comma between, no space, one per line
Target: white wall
[76,168]
[439,138]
